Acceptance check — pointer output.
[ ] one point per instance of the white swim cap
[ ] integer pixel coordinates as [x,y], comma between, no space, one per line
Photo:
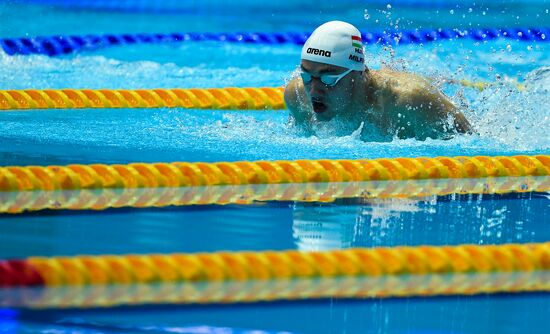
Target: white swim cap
[335,43]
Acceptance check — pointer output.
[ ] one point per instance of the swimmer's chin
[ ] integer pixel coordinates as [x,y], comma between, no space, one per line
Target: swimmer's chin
[324,116]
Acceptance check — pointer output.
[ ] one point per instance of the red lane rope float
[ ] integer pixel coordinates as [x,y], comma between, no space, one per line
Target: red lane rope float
[243,266]
[101,199]
[271,290]
[182,174]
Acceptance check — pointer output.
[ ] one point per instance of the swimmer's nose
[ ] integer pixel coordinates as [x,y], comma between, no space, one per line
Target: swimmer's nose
[316,87]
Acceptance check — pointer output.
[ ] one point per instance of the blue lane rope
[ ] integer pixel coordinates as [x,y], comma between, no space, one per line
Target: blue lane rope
[178,6]
[59,45]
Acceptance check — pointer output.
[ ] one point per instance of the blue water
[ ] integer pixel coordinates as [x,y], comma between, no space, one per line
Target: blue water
[501,314]
[507,121]
[445,220]
[503,116]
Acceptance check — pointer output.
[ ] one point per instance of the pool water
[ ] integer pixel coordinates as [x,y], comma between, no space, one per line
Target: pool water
[443,220]
[481,314]
[507,121]
[502,116]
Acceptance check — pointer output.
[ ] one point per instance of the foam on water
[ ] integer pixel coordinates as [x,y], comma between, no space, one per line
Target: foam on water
[516,119]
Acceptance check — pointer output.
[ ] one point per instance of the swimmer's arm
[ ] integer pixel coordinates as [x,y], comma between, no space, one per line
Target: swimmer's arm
[293,91]
[291,99]
[436,110]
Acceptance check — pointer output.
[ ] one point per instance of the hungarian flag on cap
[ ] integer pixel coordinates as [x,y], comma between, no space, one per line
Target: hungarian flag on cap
[356,41]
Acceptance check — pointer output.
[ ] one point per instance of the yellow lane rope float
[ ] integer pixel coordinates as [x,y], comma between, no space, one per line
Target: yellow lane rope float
[480,85]
[104,198]
[271,290]
[243,266]
[195,98]
[192,98]
[182,174]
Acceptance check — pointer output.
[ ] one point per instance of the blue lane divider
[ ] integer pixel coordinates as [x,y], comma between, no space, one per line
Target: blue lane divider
[178,6]
[58,45]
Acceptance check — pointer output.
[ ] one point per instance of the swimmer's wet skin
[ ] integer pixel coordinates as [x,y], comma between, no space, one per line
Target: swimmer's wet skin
[336,84]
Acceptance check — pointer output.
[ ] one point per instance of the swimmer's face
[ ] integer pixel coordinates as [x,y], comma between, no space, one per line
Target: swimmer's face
[328,101]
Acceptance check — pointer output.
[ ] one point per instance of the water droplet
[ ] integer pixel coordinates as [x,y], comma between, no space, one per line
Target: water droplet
[470,10]
[483,13]
[529,47]
[543,36]
[508,48]
[388,6]
[366,15]
[452,11]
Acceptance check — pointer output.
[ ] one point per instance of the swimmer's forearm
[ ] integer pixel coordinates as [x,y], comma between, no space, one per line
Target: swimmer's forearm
[461,124]
[445,110]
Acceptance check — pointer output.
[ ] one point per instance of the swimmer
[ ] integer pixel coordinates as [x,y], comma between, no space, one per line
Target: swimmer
[335,84]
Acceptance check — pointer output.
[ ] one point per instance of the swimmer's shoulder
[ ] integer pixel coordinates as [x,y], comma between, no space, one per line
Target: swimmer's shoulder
[407,89]
[417,97]
[291,94]
[294,95]
[391,84]
[401,84]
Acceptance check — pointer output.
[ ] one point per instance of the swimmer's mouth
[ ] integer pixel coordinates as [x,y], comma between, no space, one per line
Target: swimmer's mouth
[318,106]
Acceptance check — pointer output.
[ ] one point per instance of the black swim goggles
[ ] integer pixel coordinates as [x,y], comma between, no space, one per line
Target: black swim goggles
[328,79]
